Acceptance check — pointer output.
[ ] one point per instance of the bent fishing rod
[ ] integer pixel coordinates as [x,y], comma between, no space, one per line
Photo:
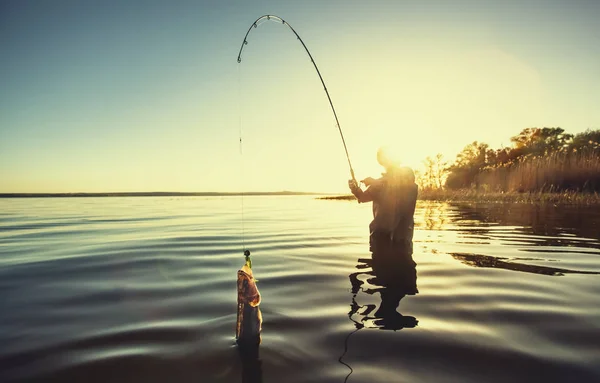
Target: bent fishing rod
[279,19]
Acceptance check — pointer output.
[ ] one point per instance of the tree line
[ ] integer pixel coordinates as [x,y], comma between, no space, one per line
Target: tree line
[538,160]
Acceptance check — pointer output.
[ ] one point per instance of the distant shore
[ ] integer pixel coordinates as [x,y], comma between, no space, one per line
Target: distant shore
[425,195]
[492,197]
[157,194]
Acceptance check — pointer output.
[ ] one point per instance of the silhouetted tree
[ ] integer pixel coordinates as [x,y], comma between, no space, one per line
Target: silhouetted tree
[434,175]
[468,163]
[586,142]
[539,159]
[539,142]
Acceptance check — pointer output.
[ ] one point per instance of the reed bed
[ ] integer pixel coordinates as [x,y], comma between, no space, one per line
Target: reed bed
[559,172]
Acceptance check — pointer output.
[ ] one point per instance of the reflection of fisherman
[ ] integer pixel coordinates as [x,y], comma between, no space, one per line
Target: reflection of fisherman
[393,284]
[394,197]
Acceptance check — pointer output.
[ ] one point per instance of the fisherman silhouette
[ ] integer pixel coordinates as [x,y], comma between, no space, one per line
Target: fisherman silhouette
[393,271]
[394,197]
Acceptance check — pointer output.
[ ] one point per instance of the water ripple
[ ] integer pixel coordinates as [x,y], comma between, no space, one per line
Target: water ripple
[143,289]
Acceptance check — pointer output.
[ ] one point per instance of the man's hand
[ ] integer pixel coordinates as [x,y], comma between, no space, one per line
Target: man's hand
[368,181]
[353,185]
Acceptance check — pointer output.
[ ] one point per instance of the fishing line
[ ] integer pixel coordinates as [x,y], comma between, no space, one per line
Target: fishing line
[241,153]
[354,309]
[261,20]
[344,354]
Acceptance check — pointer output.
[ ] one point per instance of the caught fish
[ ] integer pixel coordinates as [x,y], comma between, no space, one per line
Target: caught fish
[249,317]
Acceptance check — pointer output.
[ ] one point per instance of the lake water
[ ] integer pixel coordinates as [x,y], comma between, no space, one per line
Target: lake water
[144,290]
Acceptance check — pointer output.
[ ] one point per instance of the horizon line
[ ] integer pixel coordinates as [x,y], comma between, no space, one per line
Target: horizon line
[159,194]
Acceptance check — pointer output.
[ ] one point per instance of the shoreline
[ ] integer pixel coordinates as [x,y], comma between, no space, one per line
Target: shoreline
[495,197]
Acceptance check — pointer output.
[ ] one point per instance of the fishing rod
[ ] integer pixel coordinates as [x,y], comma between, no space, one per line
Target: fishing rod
[279,19]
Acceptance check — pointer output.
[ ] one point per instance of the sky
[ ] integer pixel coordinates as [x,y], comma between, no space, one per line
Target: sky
[144,95]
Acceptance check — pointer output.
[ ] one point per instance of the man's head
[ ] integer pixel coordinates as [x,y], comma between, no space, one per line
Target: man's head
[384,157]
[407,175]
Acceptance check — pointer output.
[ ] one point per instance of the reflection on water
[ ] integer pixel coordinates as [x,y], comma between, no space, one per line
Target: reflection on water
[480,260]
[545,220]
[483,230]
[434,216]
[392,279]
[391,272]
[251,363]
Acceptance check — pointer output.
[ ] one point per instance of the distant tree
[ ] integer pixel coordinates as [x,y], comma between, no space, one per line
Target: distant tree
[586,142]
[435,172]
[540,141]
[472,155]
[467,165]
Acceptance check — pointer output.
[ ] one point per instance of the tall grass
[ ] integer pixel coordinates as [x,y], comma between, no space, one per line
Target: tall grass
[552,173]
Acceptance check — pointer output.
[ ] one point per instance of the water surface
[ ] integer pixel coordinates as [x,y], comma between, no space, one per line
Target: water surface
[143,290]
